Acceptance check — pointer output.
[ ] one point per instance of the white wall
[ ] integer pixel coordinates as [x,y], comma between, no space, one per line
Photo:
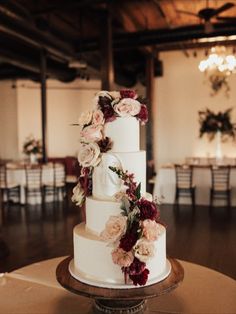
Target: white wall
[65,102]
[179,95]
[8,121]
[21,115]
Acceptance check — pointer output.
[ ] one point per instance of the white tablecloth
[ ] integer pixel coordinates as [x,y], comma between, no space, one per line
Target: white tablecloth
[17,175]
[34,290]
[165,186]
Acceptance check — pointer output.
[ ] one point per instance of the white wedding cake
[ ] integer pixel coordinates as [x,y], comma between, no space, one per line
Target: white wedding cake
[122,243]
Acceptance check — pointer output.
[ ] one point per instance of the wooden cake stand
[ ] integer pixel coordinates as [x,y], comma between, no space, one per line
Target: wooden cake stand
[122,301]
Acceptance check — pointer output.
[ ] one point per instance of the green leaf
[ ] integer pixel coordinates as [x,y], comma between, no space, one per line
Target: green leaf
[138,191]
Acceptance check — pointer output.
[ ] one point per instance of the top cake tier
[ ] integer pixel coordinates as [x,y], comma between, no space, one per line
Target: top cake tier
[124,133]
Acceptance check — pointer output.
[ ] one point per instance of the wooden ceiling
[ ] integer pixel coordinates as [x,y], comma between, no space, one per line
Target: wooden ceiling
[71,30]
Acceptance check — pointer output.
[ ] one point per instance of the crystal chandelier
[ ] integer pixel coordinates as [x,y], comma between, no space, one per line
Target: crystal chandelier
[218,67]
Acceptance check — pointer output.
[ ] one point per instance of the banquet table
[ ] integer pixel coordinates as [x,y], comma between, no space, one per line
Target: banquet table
[16,173]
[34,290]
[164,186]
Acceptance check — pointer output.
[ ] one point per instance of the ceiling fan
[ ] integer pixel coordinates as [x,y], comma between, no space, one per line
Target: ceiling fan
[207,13]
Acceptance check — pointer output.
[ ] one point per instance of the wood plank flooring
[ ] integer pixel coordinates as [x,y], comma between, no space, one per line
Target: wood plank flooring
[34,233]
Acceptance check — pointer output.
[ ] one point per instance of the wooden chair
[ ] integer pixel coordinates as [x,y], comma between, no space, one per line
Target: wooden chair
[8,189]
[184,183]
[33,186]
[56,187]
[220,188]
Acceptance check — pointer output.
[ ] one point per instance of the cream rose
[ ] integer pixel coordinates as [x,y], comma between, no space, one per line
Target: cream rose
[114,229]
[119,196]
[85,118]
[89,154]
[122,258]
[144,250]
[127,107]
[92,133]
[102,93]
[150,229]
[78,195]
[98,117]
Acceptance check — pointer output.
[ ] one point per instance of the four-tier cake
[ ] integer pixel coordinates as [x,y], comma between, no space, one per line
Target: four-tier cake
[122,243]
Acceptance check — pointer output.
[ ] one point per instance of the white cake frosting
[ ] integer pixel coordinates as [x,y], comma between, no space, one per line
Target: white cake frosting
[92,257]
[124,133]
[106,183]
[102,210]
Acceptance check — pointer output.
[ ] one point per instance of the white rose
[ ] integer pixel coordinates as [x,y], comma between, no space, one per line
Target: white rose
[144,250]
[114,229]
[92,133]
[78,195]
[127,107]
[85,118]
[89,154]
[98,117]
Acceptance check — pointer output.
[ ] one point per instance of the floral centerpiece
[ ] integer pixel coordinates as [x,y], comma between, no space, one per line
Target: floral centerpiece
[211,123]
[108,106]
[32,146]
[132,234]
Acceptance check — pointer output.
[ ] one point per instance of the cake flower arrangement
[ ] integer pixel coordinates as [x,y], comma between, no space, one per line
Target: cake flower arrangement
[132,234]
[32,146]
[107,107]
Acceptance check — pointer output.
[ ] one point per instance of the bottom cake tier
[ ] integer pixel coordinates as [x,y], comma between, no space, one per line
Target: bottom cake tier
[93,263]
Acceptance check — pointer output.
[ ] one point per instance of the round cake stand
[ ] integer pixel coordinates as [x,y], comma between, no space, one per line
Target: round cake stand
[122,301]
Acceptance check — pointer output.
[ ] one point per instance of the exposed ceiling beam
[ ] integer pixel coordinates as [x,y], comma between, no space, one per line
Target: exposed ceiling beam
[58,71]
[65,5]
[161,37]
[14,25]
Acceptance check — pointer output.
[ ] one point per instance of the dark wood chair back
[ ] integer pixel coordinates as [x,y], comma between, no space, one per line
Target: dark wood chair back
[220,176]
[184,176]
[33,176]
[184,182]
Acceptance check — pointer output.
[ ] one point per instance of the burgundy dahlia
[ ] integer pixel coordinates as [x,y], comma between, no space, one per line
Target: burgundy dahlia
[128,93]
[129,239]
[143,114]
[106,107]
[140,279]
[136,268]
[105,144]
[148,210]
[85,181]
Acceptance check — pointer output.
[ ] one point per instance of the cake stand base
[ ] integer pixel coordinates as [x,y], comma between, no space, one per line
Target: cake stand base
[119,301]
[119,306]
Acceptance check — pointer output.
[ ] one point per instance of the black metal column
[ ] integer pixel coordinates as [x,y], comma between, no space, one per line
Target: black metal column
[107,69]
[149,95]
[43,65]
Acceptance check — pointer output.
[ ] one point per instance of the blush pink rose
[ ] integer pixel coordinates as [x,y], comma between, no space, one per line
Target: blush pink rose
[150,229]
[85,118]
[98,117]
[122,258]
[114,229]
[89,155]
[127,107]
[92,133]
[144,250]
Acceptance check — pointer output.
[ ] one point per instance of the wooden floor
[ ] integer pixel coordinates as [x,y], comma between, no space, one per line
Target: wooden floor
[32,234]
